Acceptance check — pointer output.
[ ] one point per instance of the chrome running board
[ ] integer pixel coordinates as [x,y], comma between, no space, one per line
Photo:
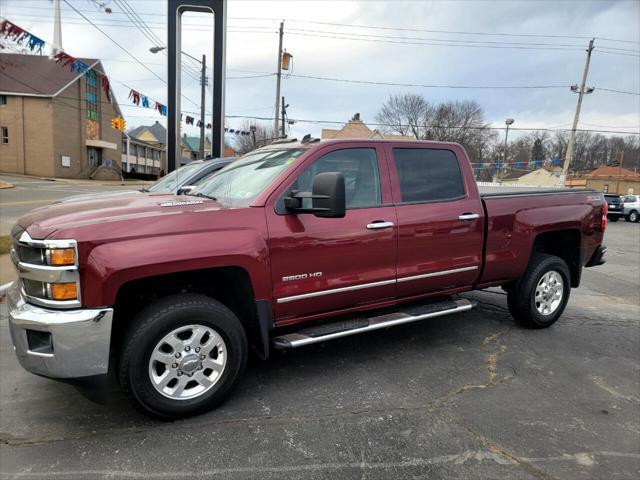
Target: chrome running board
[345,328]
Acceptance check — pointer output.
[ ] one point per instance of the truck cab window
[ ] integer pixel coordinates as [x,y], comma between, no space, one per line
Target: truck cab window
[428,175]
[361,177]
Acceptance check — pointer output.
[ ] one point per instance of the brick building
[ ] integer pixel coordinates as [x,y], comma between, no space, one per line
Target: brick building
[614,180]
[55,122]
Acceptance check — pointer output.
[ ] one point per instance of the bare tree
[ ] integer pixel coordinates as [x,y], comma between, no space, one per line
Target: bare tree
[404,114]
[459,121]
[260,134]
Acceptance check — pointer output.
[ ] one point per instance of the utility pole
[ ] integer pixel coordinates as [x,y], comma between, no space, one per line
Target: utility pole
[203,83]
[277,115]
[581,92]
[284,112]
[620,173]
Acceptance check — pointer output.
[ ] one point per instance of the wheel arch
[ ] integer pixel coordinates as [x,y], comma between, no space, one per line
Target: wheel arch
[230,285]
[565,244]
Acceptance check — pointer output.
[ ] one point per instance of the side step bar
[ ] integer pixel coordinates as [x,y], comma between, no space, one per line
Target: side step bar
[360,325]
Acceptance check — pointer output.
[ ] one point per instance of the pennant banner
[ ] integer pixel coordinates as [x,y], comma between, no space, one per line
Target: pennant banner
[19,35]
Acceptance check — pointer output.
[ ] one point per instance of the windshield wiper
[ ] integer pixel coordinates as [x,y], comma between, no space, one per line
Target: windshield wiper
[203,195]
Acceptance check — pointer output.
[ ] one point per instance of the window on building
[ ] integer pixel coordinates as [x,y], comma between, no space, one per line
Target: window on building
[91,95]
[3,99]
[5,135]
[428,175]
[124,147]
[605,189]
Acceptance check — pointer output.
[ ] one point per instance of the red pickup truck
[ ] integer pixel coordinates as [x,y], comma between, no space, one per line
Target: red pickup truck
[293,244]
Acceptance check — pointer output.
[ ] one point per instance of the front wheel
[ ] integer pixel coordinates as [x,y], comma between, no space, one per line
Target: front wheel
[542,293]
[633,217]
[182,355]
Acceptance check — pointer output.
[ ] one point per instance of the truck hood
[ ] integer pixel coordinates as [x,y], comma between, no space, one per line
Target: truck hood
[98,213]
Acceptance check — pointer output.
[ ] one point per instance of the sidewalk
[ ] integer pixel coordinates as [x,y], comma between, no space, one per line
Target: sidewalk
[79,181]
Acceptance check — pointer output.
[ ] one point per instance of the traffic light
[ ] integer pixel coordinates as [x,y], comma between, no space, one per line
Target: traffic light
[118,123]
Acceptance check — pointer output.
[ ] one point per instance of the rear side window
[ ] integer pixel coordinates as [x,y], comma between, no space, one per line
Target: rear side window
[428,175]
[630,199]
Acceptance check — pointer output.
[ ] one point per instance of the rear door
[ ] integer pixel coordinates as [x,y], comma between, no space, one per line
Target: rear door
[327,264]
[440,219]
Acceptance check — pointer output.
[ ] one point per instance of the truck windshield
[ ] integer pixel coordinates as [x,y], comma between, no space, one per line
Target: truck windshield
[171,181]
[238,184]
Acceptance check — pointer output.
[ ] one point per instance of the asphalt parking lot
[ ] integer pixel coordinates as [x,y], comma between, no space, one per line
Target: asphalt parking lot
[466,396]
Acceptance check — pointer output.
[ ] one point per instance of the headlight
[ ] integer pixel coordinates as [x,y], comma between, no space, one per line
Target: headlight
[61,256]
[48,270]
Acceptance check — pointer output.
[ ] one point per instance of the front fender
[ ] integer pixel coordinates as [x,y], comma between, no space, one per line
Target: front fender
[113,264]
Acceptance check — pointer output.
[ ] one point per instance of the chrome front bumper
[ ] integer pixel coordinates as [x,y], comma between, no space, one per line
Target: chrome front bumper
[79,338]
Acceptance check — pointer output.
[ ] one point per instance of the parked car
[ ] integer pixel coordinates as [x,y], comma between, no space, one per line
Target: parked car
[177,181]
[614,203]
[189,174]
[631,207]
[293,244]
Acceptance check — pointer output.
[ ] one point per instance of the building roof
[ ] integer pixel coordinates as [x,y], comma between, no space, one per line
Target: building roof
[192,143]
[613,172]
[356,128]
[156,129]
[515,174]
[138,141]
[36,75]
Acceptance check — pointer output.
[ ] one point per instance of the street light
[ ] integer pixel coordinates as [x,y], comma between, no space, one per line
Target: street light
[508,122]
[203,82]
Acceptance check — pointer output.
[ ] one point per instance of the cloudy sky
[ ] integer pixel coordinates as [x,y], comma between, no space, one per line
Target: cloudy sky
[446,43]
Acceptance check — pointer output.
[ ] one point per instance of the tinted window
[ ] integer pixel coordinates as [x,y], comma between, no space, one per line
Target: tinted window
[427,175]
[360,169]
[630,199]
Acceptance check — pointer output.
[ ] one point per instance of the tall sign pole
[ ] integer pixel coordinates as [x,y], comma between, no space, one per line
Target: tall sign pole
[174,15]
[572,137]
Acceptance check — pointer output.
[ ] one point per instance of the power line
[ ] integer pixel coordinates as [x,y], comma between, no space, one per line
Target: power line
[371,82]
[332,122]
[617,91]
[398,42]
[115,42]
[389,28]
[124,49]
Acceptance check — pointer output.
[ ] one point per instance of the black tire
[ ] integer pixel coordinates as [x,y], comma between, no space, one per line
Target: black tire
[612,218]
[521,299]
[632,217]
[159,319]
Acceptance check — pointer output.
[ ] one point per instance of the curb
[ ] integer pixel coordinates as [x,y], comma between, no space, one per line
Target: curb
[4,185]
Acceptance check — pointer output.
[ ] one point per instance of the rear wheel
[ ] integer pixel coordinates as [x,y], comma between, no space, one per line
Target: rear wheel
[541,295]
[633,216]
[182,356]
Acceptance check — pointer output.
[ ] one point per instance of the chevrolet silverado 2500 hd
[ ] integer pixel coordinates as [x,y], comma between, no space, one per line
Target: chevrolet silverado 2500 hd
[295,243]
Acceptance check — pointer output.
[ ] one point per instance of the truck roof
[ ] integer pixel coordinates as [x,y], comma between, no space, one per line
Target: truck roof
[295,143]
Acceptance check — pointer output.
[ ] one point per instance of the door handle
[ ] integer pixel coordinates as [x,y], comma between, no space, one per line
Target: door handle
[378,224]
[468,216]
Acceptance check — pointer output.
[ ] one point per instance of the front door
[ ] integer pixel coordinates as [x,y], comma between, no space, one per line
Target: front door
[326,264]
[440,220]
[94,156]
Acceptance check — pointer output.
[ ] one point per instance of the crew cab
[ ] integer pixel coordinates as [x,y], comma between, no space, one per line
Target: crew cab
[292,244]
